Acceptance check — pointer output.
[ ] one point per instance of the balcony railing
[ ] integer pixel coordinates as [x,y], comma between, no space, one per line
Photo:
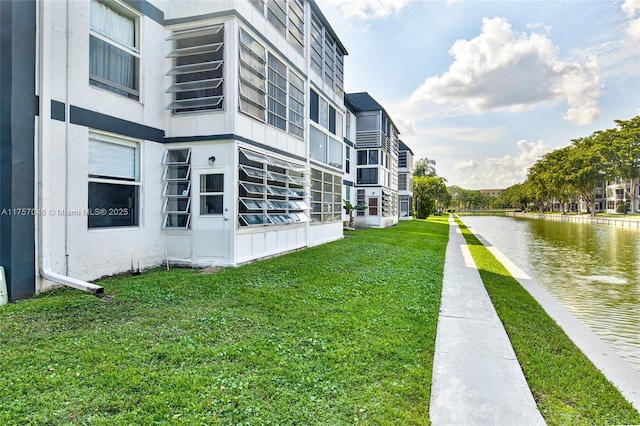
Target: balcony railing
[376,139]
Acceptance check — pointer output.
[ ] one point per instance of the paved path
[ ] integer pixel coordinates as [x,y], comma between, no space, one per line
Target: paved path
[477,379]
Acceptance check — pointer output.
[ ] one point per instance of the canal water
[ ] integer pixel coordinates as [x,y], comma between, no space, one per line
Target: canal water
[593,270]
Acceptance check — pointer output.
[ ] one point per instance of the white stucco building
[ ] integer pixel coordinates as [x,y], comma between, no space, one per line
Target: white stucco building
[405,181]
[375,161]
[138,132]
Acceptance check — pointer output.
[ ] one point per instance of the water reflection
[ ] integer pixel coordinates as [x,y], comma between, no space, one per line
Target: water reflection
[591,269]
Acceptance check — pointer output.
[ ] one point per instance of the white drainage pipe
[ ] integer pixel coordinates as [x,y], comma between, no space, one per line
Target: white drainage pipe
[71,282]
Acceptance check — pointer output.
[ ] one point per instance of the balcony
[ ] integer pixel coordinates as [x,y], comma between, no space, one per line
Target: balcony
[376,139]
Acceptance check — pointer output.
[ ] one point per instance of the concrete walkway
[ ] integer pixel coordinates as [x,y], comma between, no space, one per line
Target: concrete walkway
[477,379]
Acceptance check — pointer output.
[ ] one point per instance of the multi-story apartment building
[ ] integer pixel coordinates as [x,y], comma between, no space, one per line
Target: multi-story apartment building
[376,161]
[610,195]
[192,132]
[349,177]
[405,181]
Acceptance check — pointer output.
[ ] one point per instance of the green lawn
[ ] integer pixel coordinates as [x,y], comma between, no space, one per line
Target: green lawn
[568,389]
[341,333]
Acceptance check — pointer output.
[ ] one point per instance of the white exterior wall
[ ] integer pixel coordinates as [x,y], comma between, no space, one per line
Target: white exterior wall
[324,233]
[268,241]
[374,221]
[66,245]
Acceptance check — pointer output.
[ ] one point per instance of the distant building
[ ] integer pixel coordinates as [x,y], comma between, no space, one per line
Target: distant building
[376,168]
[491,192]
[405,181]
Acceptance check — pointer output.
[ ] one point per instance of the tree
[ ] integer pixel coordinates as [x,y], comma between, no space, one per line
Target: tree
[621,151]
[514,197]
[585,168]
[428,193]
[537,186]
[552,172]
[425,167]
[349,208]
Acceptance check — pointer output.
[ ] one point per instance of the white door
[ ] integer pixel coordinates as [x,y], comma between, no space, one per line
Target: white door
[212,222]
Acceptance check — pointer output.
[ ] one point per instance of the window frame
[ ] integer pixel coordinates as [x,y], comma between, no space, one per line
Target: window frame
[326,196]
[177,188]
[96,212]
[273,195]
[205,193]
[207,80]
[373,206]
[370,172]
[134,51]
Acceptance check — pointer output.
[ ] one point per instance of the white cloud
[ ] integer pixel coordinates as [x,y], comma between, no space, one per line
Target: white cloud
[501,172]
[501,70]
[369,9]
[465,165]
[474,135]
[632,9]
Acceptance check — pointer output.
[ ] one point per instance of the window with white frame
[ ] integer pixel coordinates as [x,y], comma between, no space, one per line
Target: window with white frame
[272,190]
[324,114]
[402,182]
[114,49]
[360,201]
[277,94]
[277,15]
[367,176]
[387,203]
[326,196]
[287,17]
[198,55]
[268,87]
[325,149]
[296,24]
[368,157]
[335,155]
[114,181]
[402,159]
[317,145]
[252,69]
[316,45]
[177,188]
[296,105]
[347,160]
[211,194]
[339,80]
[329,49]
[327,59]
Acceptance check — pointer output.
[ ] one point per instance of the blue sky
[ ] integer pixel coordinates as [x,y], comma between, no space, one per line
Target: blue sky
[487,87]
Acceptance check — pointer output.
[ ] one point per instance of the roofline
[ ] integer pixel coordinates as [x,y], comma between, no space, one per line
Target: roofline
[316,9]
[407,146]
[381,107]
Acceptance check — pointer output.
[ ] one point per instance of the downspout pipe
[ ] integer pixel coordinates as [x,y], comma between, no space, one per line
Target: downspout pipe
[70,282]
[44,73]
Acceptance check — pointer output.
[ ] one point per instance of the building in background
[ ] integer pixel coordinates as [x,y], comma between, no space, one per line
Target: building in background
[376,161]
[405,181]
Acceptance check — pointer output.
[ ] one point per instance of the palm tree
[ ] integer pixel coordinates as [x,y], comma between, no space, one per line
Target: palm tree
[425,167]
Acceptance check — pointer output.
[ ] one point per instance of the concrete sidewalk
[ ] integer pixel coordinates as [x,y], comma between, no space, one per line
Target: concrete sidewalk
[477,379]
